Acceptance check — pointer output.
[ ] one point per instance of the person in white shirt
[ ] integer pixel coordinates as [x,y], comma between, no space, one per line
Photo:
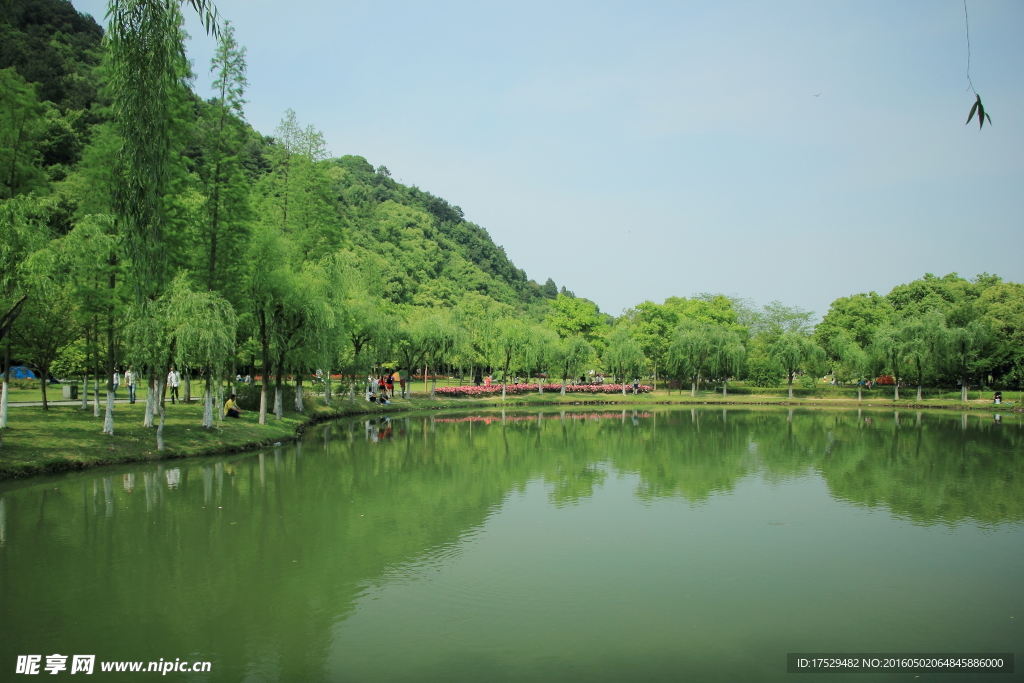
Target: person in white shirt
[173,380]
[129,380]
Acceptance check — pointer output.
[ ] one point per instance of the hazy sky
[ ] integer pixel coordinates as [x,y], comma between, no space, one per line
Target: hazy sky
[640,150]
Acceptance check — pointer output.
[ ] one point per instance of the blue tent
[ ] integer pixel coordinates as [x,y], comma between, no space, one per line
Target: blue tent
[21,372]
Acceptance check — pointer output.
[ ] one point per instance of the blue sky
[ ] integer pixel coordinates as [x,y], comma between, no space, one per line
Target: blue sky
[640,150]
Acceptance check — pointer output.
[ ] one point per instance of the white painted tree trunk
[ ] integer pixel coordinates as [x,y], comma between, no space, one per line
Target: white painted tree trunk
[859,389]
[693,388]
[147,418]
[208,403]
[725,387]
[160,412]
[433,387]
[540,385]
[220,402]
[208,406]
[563,386]
[918,393]
[327,387]
[3,406]
[108,419]
[502,396]
[299,407]
[278,407]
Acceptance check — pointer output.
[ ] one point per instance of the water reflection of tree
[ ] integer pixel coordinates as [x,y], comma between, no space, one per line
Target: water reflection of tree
[252,559]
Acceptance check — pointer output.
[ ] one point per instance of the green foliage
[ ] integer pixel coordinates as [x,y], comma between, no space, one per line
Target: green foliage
[764,371]
[22,126]
[982,115]
[857,317]
[570,317]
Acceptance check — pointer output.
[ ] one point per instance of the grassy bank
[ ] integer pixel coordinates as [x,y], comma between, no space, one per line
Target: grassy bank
[39,441]
[65,438]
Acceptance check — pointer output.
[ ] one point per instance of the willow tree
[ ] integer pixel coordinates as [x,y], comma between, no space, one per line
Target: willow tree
[623,354]
[728,354]
[890,347]
[148,69]
[854,360]
[544,352]
[690,351]
[570,356]
[201,329]
[509,347]
[794,350]
[965,352]
[924,340]
[442,339]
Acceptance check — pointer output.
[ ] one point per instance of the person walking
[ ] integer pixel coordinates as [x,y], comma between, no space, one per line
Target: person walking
[129,380]
[173,380]
[117,381]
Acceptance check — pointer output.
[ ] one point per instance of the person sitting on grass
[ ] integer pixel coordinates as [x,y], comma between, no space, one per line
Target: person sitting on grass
[231,408]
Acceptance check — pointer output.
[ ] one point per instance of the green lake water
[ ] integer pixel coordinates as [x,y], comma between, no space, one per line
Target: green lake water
[595,545]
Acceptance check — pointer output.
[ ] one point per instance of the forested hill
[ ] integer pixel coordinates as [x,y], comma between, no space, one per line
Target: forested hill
[59,142]
[440,251]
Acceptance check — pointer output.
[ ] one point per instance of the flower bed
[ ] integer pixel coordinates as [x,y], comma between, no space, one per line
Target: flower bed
[471,390]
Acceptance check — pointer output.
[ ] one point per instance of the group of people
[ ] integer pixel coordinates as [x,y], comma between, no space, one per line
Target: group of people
[381,389]
[131,379]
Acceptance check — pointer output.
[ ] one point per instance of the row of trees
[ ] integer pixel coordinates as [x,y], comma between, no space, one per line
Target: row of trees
[168,232]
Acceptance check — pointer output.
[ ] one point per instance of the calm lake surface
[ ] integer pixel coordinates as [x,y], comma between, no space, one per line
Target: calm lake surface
[595,545]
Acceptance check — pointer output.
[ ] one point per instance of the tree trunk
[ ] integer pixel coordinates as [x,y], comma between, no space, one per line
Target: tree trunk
[278,395]
[919,392]
[790,384]
[96,396]
[964,388]
[220,401]
[693,387]
[540,385]
[85,392]
[327,387]
[208,402]
[147,418]
[895,389]
[563,386]
[298,394]
[108,418]
[433,387]
[188,385]
[160,411]
[45,381]
[352,390]
[265,385]
[725,387]
[6,382]
[859,389]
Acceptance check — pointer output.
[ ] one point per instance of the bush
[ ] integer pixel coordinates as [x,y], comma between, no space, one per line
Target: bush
[764,372]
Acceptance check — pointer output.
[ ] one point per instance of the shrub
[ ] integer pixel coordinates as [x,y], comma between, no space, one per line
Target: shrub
[764,372]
